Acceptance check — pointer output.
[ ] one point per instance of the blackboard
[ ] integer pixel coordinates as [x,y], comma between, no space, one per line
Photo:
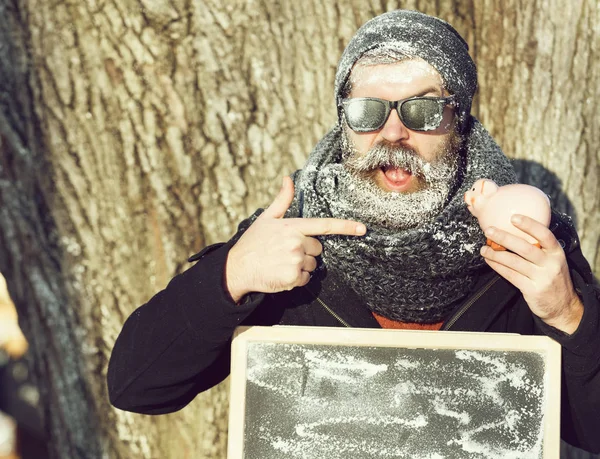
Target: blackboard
[315,392]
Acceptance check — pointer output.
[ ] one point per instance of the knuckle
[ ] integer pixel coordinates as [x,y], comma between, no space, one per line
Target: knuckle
[555,270]
[313,246]
[319,247]
[304,279]
[294,245]
[291,276]
[307,262]
[529,250]
[490,253]
[500,237]
[296,251]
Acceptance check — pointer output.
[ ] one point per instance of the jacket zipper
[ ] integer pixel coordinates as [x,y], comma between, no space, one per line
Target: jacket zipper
[469,303]
[330,311]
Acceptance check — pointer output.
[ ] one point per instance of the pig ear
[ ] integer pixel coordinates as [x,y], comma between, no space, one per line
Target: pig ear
[488,187]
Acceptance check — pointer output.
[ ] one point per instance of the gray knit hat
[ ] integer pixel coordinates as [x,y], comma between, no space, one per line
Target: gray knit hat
[416,35]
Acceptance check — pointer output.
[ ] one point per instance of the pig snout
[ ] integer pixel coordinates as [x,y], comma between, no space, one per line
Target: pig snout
[469,199]
[470,202]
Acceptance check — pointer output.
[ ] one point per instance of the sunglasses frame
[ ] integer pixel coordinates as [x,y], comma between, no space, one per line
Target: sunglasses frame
[397,105]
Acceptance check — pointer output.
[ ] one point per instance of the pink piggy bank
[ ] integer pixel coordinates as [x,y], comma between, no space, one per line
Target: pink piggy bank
[494,206]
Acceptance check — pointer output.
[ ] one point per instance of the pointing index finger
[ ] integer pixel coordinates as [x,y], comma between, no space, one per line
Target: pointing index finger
[322,226]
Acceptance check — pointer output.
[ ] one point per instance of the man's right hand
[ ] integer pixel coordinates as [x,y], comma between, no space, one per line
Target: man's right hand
[276,253]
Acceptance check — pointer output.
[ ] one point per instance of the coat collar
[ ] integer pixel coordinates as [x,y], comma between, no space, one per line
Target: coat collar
[483,305]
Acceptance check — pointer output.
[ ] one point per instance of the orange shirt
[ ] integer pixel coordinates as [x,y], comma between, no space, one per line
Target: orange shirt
[396,324]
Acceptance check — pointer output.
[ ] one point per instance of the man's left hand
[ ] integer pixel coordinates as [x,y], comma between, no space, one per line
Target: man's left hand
[541,274]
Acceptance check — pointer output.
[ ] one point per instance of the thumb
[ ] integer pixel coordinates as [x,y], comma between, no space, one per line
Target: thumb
[283,200]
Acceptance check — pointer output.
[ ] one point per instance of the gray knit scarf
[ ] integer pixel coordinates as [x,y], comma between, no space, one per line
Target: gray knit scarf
[414,275]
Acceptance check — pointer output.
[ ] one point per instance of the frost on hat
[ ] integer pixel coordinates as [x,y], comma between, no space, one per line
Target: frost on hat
[416,35]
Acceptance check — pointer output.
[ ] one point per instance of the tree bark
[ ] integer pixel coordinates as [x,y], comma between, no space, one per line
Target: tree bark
[134,132]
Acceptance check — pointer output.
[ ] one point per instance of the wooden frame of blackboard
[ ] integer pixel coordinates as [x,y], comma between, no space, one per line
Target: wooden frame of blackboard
[398,339]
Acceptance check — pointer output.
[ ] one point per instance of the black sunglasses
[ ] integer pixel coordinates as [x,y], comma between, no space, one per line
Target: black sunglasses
[366,114]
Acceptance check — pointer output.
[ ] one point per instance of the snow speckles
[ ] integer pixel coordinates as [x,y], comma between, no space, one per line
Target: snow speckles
[307,401]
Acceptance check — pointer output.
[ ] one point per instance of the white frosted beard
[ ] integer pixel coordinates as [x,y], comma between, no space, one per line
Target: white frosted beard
[416,274]
[362,199]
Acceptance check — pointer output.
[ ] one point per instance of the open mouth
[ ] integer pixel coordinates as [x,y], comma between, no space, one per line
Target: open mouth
[395,178]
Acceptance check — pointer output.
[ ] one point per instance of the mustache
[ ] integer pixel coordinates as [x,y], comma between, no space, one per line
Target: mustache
[387,156]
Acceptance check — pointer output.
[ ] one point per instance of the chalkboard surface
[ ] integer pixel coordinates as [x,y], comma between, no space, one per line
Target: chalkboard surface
[448,396]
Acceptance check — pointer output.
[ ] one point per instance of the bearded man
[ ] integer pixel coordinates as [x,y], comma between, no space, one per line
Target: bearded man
[373,232]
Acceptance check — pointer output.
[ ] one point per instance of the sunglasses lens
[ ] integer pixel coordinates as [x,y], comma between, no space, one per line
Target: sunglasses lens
[422,114]
[364,115]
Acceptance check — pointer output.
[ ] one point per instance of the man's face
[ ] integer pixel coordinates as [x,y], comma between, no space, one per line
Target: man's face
[402,177]
[399,81]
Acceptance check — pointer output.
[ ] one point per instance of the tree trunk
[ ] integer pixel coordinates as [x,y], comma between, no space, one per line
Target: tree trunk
[134,132]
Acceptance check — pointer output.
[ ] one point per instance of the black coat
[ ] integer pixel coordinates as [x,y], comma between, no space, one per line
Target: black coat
[178,344]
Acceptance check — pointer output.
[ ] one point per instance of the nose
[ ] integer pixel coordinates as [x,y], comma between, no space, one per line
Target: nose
[394,130]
